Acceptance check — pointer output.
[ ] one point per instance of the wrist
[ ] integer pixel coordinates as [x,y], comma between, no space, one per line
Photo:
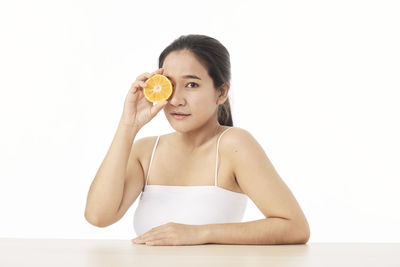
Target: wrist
[128,125]
[128,128]
[204,233]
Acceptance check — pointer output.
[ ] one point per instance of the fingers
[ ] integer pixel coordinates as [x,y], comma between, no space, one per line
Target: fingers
[156,233]
[156,108]
[159,71]
[143,76]
[147,75]
[136,85]
[140,80]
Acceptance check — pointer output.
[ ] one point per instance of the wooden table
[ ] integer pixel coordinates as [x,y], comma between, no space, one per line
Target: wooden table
[115,253]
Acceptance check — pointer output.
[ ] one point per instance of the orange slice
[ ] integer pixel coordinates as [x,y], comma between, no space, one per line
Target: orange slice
[158,88]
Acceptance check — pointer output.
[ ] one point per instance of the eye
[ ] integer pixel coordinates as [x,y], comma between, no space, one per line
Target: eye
[193,84]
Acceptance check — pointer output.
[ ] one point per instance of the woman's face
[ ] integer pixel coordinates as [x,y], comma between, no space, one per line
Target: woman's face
[193,91]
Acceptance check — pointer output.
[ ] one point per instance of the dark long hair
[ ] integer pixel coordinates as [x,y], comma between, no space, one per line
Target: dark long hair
[215,57]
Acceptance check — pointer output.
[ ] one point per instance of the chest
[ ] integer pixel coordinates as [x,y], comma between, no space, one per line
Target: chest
[172,166]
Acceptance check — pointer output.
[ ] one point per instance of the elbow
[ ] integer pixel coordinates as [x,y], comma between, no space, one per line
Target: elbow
[306,232]
[305,236]
[304,239]
[95,221]
[298,239]
[301,234]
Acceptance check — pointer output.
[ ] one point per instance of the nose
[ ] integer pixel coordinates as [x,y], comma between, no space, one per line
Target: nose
[177,98]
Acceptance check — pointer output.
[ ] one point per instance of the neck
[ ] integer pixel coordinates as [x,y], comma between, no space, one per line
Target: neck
[197,138]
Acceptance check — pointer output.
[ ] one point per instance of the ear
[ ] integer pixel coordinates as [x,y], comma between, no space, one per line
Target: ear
[223,93]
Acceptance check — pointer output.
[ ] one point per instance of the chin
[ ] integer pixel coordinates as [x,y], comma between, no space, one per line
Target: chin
[180,126]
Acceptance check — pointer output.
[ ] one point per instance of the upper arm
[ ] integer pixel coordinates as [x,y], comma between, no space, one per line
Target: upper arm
[134,178]
[258,178]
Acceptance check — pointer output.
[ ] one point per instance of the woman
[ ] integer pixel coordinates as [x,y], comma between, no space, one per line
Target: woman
[194,184]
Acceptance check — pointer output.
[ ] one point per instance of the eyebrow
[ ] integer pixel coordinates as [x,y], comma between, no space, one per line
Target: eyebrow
[188,76]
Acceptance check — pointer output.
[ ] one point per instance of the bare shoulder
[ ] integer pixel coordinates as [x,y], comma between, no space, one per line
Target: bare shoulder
[143,142]
[238,146]
[143,146]
[236,138]
[146,140]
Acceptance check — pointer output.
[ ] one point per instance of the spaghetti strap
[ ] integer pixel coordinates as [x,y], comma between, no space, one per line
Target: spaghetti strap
[216,165]
[151,159]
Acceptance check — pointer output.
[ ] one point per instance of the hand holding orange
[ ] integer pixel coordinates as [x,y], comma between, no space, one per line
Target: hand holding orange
[139,108]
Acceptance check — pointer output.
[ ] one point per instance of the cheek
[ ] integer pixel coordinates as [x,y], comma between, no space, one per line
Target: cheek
[202,103]
[204,108]
[202,99]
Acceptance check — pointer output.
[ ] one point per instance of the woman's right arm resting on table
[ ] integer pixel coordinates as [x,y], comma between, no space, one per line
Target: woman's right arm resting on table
[118,182]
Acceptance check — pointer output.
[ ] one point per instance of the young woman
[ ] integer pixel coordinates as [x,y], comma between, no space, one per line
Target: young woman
[194,182]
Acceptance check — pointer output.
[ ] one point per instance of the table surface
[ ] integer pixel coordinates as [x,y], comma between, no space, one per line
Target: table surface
[115,253]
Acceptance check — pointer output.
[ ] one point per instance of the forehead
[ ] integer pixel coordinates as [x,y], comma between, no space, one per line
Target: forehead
[183,62]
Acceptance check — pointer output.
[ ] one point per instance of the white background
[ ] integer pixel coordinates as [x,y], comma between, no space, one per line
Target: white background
[315,82]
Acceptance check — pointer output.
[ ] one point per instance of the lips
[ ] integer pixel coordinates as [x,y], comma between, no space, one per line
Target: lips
[180,114]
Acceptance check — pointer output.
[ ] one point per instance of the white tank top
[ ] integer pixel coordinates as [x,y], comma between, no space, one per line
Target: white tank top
[202,204]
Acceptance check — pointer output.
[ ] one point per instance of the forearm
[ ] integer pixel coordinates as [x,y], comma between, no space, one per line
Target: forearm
[106,190]
[259,232]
